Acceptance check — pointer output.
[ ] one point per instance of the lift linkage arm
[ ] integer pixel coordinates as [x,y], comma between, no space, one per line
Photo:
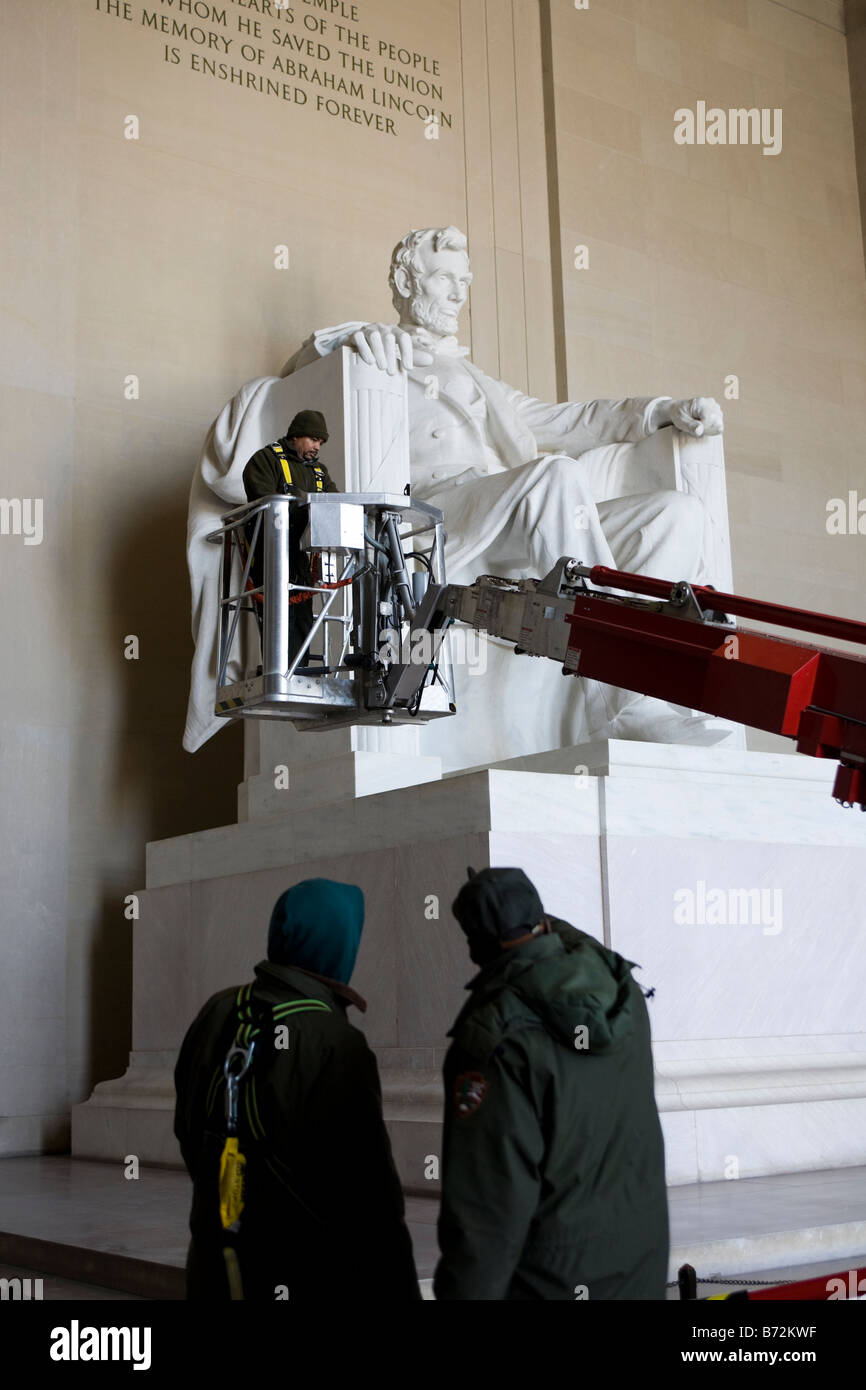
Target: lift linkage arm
[675,642]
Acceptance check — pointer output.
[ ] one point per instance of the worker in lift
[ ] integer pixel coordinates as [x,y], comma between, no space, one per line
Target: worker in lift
[553,1181]
[299,1194]
[288,464]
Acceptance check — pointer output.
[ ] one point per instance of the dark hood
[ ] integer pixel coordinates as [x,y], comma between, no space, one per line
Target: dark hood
[493,906]
[570,982]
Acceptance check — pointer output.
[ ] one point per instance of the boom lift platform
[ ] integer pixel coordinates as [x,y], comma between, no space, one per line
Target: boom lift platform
[383,631]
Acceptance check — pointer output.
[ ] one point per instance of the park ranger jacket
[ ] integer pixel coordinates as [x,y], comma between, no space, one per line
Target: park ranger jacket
[553,1160]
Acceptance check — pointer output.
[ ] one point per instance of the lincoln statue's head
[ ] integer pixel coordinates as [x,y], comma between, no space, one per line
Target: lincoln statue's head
[430,279]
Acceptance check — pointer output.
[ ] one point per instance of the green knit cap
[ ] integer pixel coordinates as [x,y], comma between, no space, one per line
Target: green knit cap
[309,424]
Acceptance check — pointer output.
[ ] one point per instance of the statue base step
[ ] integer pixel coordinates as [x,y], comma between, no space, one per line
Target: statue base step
[284,790]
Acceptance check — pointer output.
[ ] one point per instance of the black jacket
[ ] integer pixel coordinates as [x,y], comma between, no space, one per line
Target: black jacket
[323,1202]
[553,1161]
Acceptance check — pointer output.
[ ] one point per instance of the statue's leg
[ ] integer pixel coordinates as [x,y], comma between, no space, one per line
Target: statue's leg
[533,515]
[520,522]
[662,534]
[516,524]
[657,533]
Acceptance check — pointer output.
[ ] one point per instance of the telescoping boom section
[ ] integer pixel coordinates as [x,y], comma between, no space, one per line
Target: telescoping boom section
[676,641]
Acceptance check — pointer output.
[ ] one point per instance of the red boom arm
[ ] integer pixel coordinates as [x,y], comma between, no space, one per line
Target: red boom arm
[815,696]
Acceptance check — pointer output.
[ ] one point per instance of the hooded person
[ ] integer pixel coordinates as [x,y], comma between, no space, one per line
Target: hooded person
[553,1181]
[322,1201]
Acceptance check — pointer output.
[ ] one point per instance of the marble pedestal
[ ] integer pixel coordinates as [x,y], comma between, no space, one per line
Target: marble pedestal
[758,1019]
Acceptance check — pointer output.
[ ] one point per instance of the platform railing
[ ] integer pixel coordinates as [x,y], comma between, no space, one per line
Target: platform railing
[378,555]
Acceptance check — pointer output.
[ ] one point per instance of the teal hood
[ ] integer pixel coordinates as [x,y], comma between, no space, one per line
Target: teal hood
[316,926]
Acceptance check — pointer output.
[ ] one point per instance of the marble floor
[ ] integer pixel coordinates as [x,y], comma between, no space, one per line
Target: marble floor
[88,1227]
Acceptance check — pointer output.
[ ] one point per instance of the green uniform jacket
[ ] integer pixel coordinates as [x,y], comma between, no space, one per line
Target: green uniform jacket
[323,1216]
[264,475]
[553,1182]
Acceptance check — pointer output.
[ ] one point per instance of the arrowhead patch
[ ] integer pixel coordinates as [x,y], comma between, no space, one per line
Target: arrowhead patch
[470,1088]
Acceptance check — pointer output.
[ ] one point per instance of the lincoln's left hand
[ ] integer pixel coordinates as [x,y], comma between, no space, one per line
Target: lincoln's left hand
[701,415]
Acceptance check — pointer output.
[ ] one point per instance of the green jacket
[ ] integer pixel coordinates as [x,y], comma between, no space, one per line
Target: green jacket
[322,1197]
[553,1182]
[264,474]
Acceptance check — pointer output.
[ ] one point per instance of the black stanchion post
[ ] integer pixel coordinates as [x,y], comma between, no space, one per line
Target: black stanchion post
[687,1280]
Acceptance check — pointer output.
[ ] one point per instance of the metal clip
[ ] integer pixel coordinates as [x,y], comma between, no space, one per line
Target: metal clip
[233,1075]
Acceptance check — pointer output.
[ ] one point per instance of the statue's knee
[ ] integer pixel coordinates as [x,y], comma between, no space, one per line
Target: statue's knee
[557,466]
[684,509]
[563,477]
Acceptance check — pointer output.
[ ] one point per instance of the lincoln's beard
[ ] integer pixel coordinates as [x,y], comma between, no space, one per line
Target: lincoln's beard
[427,313]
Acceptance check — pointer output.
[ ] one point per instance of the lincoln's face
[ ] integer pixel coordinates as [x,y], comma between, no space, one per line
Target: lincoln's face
[440,288]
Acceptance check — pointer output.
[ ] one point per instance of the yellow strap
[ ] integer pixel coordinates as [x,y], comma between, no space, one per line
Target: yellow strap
[280,453]
[287,472]
[231,1183]
[233,1274]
